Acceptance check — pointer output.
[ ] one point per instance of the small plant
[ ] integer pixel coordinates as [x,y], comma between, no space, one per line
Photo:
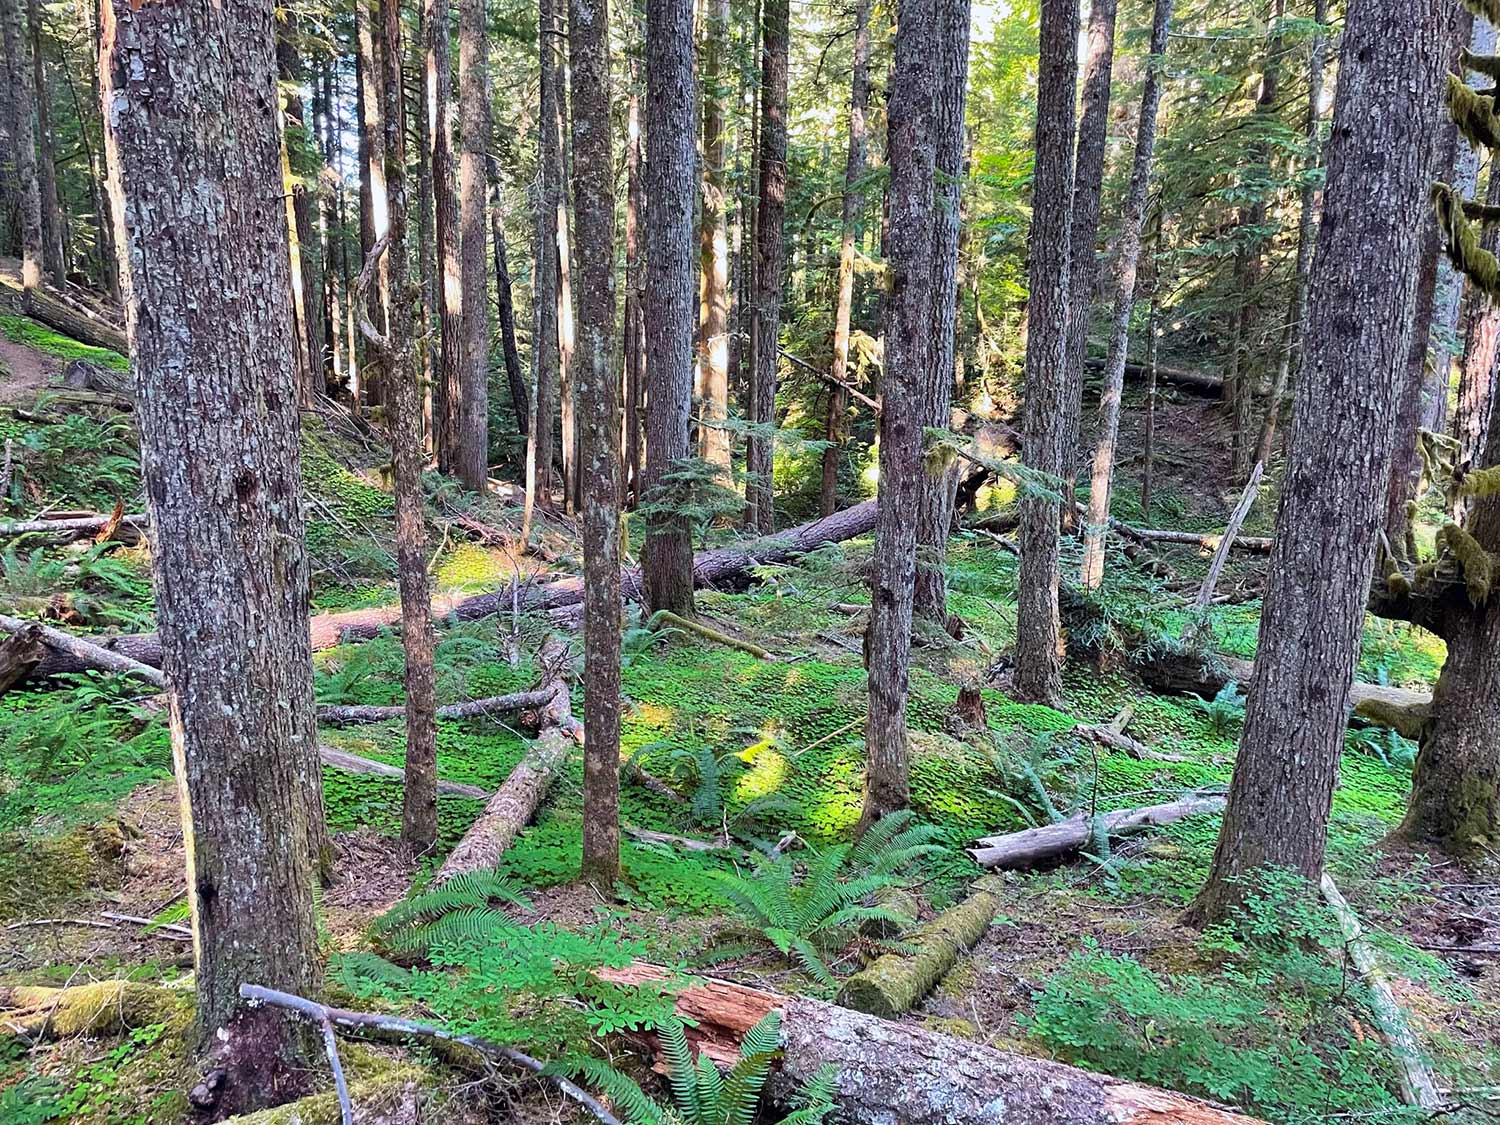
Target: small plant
[461,909]
[1224,712]
[691,493]
[88,588]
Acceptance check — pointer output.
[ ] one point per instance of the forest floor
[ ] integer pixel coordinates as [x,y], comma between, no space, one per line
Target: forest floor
[1086,961]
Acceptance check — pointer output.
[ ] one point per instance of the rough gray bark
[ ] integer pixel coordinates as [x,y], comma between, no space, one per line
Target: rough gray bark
[472,441]
[909,350]
[1128,258]
[713,320]
[599,438]
[836,430]
[198,200]
[770,264]
[23,137]
[520,397]
[671,181]
[1032,846]
[935,492]
[540,450]
[374,202]
[1358,334]
[634,343]
[1038,675]
[1088,197]
[453,367]
[54,235]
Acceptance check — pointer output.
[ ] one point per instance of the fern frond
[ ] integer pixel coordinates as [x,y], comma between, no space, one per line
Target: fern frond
[679,1060]
[626,1094]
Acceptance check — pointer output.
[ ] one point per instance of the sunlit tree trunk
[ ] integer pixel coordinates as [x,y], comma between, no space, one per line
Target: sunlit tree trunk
[1355,359]
[913,143]
[634,342]
[667,557]
[471,443]
[713,320]
[198,193]
[374,203]
[452,366]
[1129,253]
[23,136]
[54,232]
[1038,674]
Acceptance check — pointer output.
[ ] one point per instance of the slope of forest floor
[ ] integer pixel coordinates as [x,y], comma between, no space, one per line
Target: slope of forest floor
[1085,962]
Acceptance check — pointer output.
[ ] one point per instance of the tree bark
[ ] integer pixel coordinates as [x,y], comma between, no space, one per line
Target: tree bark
[1101,481]
[520,397]
[909,351]
[471,443]
[671,158]
[836,429]
[935,491]
[454,362]
[713,320]
[54,233]
[770,265]
[374,199]
[540,450]
[1364,292]
[599,439]
[304,269]
[1038,675]
[634,343]
[199,201]
[23,138]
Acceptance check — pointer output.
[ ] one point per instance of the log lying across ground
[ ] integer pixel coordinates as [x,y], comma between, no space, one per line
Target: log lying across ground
[470,709]
[723,567]
[890,1072]
[1052,841]
[1199,382]
[896,982]
[516,801]
[86,329]
[354,763]
[72,528]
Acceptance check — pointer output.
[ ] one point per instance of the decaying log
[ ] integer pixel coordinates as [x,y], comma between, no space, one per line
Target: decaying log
[86,329]
[1199,382]
[354,763]
[471,709]
[686,843]
[899,1072]
[896,982]
[1418,1086]
[516,801]
[106,1007]
[82,375]
[722,568]
[74,527]
[1051,841]
[708,633]
[85,654]
[1255,545]
[19,654]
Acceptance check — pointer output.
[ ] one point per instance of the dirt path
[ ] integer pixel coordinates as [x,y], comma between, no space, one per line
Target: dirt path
[24,371]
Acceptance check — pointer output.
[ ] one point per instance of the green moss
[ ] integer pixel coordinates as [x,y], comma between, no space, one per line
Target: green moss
[23,330]
[383,1091]
[1477,564]
[38,872]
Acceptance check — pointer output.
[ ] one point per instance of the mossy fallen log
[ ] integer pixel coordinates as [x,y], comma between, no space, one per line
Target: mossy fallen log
[399,1096]
[83,327]
[897,982]
[1052,841]
[107,1007]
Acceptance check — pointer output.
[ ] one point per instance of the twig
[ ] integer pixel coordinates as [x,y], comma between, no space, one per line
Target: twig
[342,1018]
[174,928]
[854,392]
[667,617]
[331,1045]
[830,736]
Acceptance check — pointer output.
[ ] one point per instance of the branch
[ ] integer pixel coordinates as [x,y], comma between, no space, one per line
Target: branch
[329,1018]
[377,339]
[854,392]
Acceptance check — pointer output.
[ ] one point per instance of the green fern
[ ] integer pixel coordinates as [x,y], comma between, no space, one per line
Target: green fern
[460,910]
[1224,711]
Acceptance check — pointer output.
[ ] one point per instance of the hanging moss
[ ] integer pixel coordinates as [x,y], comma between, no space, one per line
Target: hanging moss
[1462,237]
[1473,113]
[1487,65]
[1478,566]
[1478,212]
[1397,583]
[1482,484]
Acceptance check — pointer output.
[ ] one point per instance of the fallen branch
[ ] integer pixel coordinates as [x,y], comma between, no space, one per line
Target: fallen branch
[686,843]
[354,763]
[1113,736]
[516,801]
[667,617]
[71,528]
[88,655]
[1050,841]
[473,709]
[1226,542]
[1199,382]
[1418,1086]
[900,1072]
[395,1026]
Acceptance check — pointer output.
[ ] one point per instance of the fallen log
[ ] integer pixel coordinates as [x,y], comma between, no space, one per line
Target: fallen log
[723,567]
[1031,846]
[86,329]
[19,654]
[84,654]
[899,1072]
[72,528]
[1199,382]
[1209,542]
[896,982]
[354,763]
[516,801]
[471,709]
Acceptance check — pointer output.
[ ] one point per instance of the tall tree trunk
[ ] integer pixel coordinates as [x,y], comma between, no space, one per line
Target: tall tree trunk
[539,447]
[1088,195]
[634,342]
[18,51]
[713,320]
[935,491]
[836,429]
[1092,571]
[105,247]
[1355,358]
[427,263]
[667,557]
[454,364]
[599,439]
[913,132]
[419,806]
[306,269]
[331,142]
[54,235]
[770,264]
[1307,233]
[1038,675]
[199,200]
[566,331]
[374,200]
[505,306]
[1476,386]
[472,441]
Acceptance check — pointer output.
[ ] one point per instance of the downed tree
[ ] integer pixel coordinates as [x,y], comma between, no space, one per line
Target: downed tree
[899,1072]
[354,763]
[896,982]
[1031,846]
[84,654]
[470,709]
[63,317]
[1257,545]
[516,801]
[1199,382]
[721,568]
[75,526]
[19,654]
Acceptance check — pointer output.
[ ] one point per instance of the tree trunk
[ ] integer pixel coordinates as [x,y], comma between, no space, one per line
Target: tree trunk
[599,439]
[935,491]
[515,378]
[1307,232]
[23,138]
[836,430]
[539,447]
[915,83]
[1088,196]
[634,345]
[453,366]
[374,199]
[100,186]
[305,271]
[566,337]
[54,235]
[1481,358]
[471,444]
[1101,480]
[200,201]
[713,322]
[671,158]
[1038,675]
[770,265]
[1364,289]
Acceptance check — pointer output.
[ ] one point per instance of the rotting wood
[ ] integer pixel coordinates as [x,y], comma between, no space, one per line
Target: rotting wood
[677,621]
[19,654]
[57,314]
[470,709]
[74,527]
[1199,382]
[885,1070]
[87,654]
[1052,841]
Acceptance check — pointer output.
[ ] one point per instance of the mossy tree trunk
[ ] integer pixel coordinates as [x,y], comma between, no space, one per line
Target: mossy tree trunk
[1364,289]
[713,239]
[23,138]
[471,444]
[216,402]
